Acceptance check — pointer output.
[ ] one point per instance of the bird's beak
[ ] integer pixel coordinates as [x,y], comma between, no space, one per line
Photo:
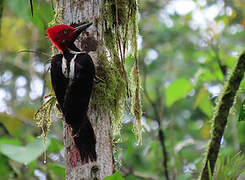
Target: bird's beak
[79,29]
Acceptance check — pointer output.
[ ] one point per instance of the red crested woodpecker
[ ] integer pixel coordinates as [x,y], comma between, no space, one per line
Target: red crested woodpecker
[72,77]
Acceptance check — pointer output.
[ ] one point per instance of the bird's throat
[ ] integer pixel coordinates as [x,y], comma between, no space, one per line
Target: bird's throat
[68,67]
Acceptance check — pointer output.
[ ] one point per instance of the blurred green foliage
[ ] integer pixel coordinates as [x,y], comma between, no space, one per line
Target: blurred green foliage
[182,50]
[115,176]
[242,112]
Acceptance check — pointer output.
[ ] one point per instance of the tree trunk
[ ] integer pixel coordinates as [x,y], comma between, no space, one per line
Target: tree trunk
[79,11]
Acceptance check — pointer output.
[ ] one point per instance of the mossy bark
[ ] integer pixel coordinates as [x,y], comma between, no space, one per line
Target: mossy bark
[221,115]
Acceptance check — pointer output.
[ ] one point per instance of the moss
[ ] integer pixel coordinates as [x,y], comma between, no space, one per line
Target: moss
[120,29]
[43,115]
[109,95]
[136,103]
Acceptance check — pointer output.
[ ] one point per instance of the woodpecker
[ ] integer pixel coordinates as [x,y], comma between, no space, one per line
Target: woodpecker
[72,78]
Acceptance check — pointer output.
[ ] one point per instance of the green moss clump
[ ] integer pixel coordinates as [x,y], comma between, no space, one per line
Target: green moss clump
[120,30]
[109,95]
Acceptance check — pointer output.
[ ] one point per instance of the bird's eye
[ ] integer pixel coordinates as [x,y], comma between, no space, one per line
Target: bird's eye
[66,31]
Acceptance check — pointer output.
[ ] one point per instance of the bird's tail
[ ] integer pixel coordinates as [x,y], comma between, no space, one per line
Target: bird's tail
[84,139]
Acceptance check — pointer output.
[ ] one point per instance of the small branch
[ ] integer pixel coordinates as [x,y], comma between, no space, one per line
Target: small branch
[154,106]
[222,67]
[164,152]
[31,6]
[221,115]
[161,134]
[158,116]
[35,52]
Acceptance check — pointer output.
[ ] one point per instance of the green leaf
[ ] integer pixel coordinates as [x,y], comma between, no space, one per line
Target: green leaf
[57,169]
[203,102]
[177,90]
[43,12]
[24,154]
[115,176]
[55,145]
[31,167]
[5,168]
[242,112]
[7,140]
[11,123]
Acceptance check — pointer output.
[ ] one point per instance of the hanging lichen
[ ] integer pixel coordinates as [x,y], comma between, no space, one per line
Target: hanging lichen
[44,120]
[43,115]
[136,103]
[120,30]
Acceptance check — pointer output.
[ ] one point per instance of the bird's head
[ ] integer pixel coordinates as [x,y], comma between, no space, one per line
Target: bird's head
[63,36]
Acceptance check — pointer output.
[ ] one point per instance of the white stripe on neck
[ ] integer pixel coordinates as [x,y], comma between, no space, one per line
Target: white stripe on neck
[69,73]
[72,67]
[64,67]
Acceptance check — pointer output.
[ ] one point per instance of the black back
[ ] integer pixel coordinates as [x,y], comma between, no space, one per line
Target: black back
[73,96]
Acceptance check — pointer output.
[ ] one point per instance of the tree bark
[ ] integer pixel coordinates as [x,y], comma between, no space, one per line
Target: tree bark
[73,12]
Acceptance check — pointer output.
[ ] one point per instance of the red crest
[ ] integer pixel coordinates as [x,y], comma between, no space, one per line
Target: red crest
[60,35]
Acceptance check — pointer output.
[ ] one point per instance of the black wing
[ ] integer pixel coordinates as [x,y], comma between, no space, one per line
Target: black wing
[58,80]
[76,104]
[79,90]
[73,96]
